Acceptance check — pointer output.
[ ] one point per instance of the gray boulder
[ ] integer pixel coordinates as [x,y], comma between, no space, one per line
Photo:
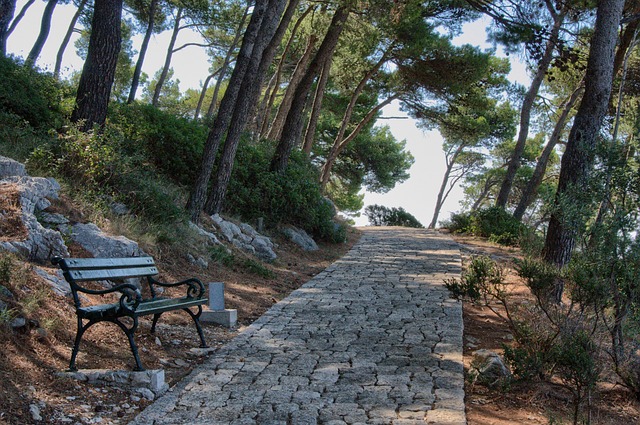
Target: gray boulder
[99,244]
[246,238]
[300,238]
[10,168]
[57,282]
[229,230]
[208,236]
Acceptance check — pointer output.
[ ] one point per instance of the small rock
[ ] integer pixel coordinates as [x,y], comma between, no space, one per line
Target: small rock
[135,398]
[42,334]
[146,393]
[119,209]
[158,342]
[488,368]
[181,363]
[6,293]
[35,412]
[19,324]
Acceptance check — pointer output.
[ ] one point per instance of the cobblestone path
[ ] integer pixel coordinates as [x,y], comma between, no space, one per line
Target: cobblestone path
[373,339]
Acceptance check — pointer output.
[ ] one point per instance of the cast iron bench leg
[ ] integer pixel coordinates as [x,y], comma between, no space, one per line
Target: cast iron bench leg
[134,348]
[196,320]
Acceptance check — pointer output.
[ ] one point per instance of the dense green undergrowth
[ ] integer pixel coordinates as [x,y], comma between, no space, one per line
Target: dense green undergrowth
[148,159]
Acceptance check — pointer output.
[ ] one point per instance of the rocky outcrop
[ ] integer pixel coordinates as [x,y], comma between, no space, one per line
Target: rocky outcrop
[300,238]
[40,243]
[246,238]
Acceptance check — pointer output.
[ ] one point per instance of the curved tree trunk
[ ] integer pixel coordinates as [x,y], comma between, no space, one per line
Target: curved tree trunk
[19,16]
[530,191]
[203,93]
[577,160]
[272,32]
[525,111]
[346,118]
[7,9]
[143,51]
[293,124]
[310,133]
[443,186]
[167,60]
[98,73]
[278,122]
[45,27]
[67,38]
[338,147]
[199,192]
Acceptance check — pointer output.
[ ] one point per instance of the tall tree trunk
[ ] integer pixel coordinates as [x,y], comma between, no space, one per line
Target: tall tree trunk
[67,38]
[278,73]
[198,194]
[530,191]
[310,133]
[577,160]
[272,31]
[167,60]
[338,146]
[278,122]
[227,62]
[605,204]
[525,110]
[7,9]
[19,16]
[45,27]
[143,51]
[443,186]
[293,124]
[99,70]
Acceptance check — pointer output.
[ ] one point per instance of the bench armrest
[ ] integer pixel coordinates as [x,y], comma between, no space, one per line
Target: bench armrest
[195,288]
[129,299]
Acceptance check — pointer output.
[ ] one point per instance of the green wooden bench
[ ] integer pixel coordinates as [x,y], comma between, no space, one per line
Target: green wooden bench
[130,304]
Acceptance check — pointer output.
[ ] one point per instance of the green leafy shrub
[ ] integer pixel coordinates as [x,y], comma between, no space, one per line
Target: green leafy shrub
[540,277]
[380,215]
[481,277]
[496,224]
[172,144]
[34,96]
[292,197]
[458,223]
[493,223]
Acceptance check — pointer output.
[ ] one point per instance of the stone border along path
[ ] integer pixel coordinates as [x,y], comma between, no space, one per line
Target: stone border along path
[373,339]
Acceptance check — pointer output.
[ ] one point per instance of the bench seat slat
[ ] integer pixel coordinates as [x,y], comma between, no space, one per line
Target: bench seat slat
[167,304]
[106,274]
[100,263]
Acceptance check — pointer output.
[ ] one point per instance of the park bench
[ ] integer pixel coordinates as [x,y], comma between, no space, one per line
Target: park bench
[130,304]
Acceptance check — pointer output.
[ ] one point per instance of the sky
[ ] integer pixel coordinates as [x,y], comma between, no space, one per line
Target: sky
[417,195]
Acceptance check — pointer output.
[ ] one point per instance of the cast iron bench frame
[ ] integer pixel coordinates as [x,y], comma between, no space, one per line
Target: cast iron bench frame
[131,304]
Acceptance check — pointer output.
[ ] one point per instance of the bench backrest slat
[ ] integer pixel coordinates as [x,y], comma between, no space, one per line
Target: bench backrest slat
[108,274]
[106,263]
